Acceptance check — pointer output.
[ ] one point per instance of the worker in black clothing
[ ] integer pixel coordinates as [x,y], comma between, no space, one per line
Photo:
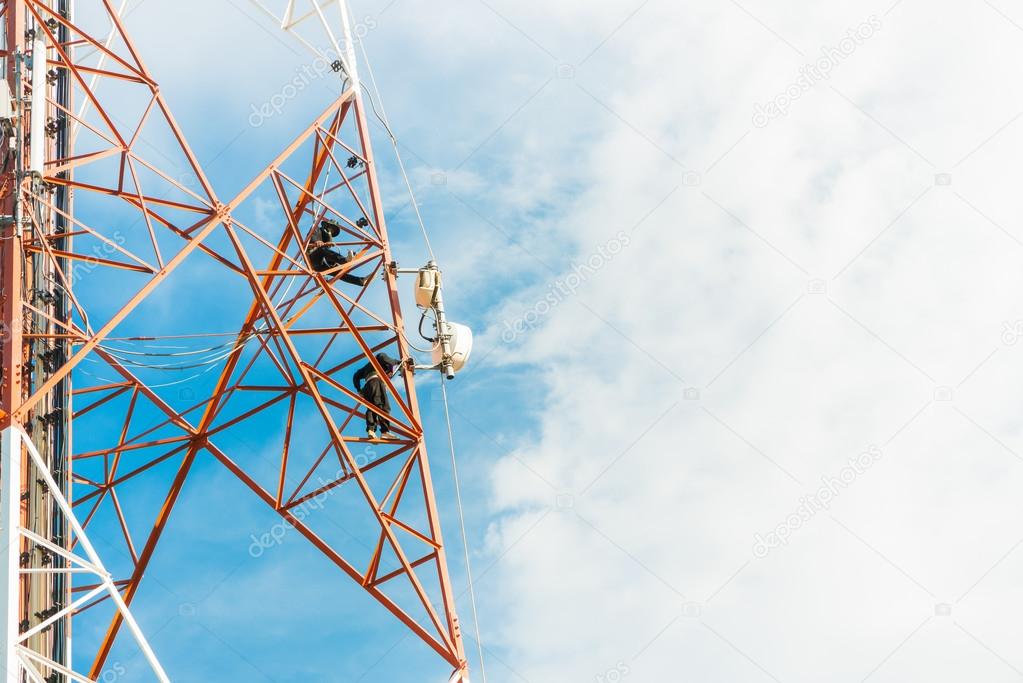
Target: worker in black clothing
[372,388]
[324,257]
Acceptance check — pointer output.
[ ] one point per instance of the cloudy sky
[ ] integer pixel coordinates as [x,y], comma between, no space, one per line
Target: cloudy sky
[744,277]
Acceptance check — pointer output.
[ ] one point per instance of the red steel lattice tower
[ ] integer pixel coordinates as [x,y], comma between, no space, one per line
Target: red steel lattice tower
[103,205]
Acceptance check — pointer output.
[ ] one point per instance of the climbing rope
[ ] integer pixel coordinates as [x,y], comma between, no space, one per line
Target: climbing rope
[461,520]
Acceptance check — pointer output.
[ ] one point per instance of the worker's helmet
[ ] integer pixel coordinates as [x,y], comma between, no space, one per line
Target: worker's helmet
[332,228]
[387,363]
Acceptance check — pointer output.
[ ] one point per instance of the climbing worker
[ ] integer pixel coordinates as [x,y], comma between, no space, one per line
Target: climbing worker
[324,257]
[372,388]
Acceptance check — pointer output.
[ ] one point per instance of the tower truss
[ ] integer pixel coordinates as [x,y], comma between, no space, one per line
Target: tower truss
[120,211]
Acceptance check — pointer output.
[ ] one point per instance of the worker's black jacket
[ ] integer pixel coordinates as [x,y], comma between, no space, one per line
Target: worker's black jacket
[367,371]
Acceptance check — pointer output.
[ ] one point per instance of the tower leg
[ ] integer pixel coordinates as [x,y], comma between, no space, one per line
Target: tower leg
[10,551]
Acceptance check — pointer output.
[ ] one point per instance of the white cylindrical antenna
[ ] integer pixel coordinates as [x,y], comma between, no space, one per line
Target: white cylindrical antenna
[37,152]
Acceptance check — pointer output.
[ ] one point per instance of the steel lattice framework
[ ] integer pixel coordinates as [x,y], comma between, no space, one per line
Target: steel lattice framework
[123,207]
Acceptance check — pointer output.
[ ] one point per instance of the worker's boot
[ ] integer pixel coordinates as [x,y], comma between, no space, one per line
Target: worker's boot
[389,436]
[371,433]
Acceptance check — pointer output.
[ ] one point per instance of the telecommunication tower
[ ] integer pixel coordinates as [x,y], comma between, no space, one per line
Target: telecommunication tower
[102,204]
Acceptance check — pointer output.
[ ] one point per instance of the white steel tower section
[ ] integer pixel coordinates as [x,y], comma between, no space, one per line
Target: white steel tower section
[19,661]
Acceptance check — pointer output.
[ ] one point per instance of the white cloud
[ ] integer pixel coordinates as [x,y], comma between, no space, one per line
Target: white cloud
[918,308]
